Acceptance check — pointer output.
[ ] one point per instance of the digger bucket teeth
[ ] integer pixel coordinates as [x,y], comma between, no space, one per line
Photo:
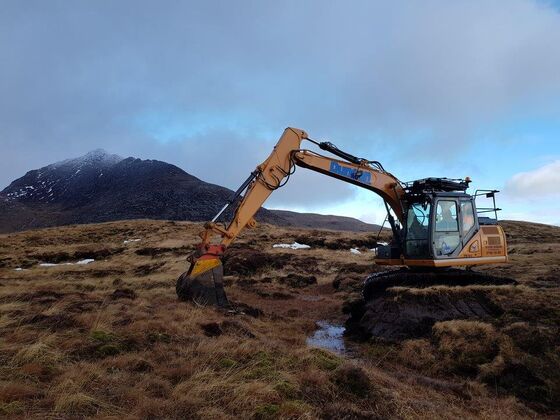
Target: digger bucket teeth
[203,283]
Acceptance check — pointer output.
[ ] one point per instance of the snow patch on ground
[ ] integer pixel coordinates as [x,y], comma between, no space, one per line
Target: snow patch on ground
[374,250]
[126,241]
[295,245]
[81,262]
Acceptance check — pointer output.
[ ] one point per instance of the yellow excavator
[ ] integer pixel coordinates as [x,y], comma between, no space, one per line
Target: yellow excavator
[435,223]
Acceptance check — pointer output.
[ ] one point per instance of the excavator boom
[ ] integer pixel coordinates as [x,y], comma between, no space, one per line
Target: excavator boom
[206,272]
[274,171]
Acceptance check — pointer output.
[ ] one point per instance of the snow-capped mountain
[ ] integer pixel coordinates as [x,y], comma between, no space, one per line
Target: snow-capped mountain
[102,187]
[61,180]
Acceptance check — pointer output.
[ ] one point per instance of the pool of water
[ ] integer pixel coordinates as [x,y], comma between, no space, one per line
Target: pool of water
[328,336]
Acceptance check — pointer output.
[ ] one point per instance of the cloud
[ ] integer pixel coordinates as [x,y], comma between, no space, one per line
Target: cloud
[210,86]
[540,183]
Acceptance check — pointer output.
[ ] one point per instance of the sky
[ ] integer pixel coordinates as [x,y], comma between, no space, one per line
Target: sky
[430,88]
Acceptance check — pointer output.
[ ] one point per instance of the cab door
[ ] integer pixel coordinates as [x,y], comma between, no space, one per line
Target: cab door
[446,234]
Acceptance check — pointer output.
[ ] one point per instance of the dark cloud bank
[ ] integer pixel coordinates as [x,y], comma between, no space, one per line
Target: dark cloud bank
[210,86]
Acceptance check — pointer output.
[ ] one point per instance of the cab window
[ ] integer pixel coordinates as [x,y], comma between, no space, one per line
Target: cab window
[417,223]
[446,216]
[418,220]
[446,235]
[467,216]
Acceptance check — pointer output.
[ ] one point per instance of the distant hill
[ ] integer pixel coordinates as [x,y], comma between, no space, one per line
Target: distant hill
[320,221]
[101,187]
[529,232]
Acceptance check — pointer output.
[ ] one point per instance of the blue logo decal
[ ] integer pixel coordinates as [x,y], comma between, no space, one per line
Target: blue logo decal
[362,176]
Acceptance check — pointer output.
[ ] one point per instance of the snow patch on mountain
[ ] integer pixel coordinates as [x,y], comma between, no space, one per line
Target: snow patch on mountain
[49,183]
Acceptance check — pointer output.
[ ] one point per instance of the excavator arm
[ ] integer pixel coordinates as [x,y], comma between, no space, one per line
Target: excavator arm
[204,279]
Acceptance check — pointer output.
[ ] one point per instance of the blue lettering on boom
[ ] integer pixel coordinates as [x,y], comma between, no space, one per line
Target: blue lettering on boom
[362,176]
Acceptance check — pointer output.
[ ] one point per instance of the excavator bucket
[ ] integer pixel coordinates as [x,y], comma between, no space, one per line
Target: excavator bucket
[203,283]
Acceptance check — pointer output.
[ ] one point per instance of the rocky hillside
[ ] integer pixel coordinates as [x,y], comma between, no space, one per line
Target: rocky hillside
[101,187]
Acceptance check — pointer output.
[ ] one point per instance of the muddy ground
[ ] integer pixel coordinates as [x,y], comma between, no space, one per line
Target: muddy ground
[110,338]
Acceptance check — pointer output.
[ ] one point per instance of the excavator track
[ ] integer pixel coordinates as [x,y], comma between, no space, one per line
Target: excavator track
[376,284]
[395,307]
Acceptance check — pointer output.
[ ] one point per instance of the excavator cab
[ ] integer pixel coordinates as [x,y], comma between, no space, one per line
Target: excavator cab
[442,228]
[438,227]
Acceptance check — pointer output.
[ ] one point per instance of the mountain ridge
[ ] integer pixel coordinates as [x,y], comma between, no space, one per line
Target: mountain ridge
[102,187]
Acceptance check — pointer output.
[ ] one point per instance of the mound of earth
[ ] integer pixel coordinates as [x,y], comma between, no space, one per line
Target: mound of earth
[400,305]
[244,261]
